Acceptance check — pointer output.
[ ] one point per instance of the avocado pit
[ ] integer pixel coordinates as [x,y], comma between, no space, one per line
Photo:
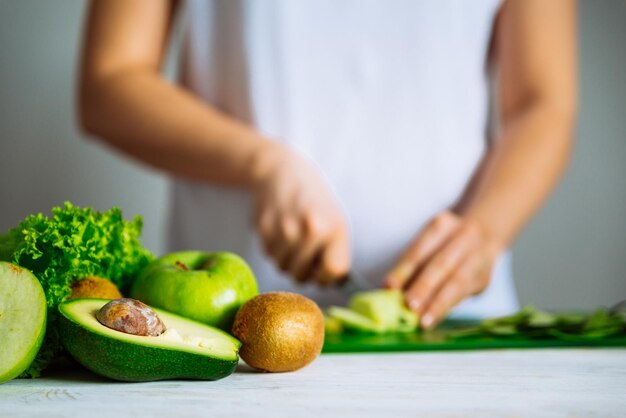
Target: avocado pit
[131,317]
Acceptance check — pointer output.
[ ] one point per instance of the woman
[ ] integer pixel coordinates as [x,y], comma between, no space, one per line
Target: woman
[345,137]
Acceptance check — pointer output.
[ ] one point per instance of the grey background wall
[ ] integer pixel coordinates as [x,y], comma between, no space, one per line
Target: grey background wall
[572,256]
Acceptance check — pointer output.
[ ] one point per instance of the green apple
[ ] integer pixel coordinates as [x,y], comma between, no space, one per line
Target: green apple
[22,319]
[353,321]
[386,308]
[332,325]
[375,311]
[207,287]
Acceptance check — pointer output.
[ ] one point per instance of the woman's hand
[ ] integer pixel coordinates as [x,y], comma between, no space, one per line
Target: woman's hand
[534,49]
[300,224]
[450,259]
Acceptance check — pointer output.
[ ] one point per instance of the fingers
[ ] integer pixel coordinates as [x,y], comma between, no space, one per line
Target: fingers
[299,221]
[306,248]
[278,236]
[303,263]
[335,259]
[307,253]
[450,294]
[266,225]
[436,233]
[469,278]
[440,267]
[288,235]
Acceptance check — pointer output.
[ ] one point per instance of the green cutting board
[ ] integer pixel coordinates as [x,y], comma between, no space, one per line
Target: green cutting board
[437,341]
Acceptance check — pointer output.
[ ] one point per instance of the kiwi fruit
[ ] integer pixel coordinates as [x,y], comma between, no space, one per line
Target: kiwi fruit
[95,287]
[279,331]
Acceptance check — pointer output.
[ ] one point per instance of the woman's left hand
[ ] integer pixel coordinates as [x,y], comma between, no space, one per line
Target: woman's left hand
[451,259]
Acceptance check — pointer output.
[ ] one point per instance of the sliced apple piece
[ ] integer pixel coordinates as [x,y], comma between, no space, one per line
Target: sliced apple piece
[22,319]
[352,320]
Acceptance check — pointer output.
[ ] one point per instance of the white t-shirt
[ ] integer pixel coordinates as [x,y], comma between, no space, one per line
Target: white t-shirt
[389,99]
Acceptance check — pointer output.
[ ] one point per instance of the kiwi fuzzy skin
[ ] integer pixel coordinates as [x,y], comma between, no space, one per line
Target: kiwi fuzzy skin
[279,331]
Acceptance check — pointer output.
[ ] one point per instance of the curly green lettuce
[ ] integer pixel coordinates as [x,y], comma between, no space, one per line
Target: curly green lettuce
[71,244]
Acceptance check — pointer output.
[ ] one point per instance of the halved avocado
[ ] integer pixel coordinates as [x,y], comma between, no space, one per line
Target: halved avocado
[22,319]
[188,349]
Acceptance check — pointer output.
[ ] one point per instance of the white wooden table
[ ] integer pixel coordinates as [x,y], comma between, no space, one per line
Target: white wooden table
[499,383]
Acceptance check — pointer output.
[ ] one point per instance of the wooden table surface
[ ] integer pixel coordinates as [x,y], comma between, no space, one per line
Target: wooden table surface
[497,383]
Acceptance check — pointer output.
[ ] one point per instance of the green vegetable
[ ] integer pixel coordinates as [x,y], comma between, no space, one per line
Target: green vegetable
[533,323]
[187,349]
[73,243]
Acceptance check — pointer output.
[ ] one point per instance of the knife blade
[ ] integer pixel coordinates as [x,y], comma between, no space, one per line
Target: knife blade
[352,283]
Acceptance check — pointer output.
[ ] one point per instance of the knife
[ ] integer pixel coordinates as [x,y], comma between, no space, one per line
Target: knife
[352,283]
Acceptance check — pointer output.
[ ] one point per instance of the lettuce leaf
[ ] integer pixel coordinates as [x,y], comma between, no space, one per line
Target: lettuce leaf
[73,243]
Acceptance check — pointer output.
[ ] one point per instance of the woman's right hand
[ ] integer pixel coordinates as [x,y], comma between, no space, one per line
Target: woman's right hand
[298,220]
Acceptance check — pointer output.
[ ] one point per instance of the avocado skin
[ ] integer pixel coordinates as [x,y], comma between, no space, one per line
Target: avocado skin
[129,362]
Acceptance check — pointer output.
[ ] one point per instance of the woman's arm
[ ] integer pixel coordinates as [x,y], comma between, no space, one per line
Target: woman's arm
[125,101]
[535,52]
[452,258]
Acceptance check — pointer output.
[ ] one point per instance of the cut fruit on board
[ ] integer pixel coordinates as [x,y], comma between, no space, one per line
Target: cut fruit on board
[22,319]
[376,311]
[353,320]
[386,308]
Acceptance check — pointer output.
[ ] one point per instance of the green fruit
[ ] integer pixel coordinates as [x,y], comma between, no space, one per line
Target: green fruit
[207,287]
[408,321]
[354,321]
[386,308]
[332,325]
[279,331]
[187,349]
[375,311]
[22,319]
